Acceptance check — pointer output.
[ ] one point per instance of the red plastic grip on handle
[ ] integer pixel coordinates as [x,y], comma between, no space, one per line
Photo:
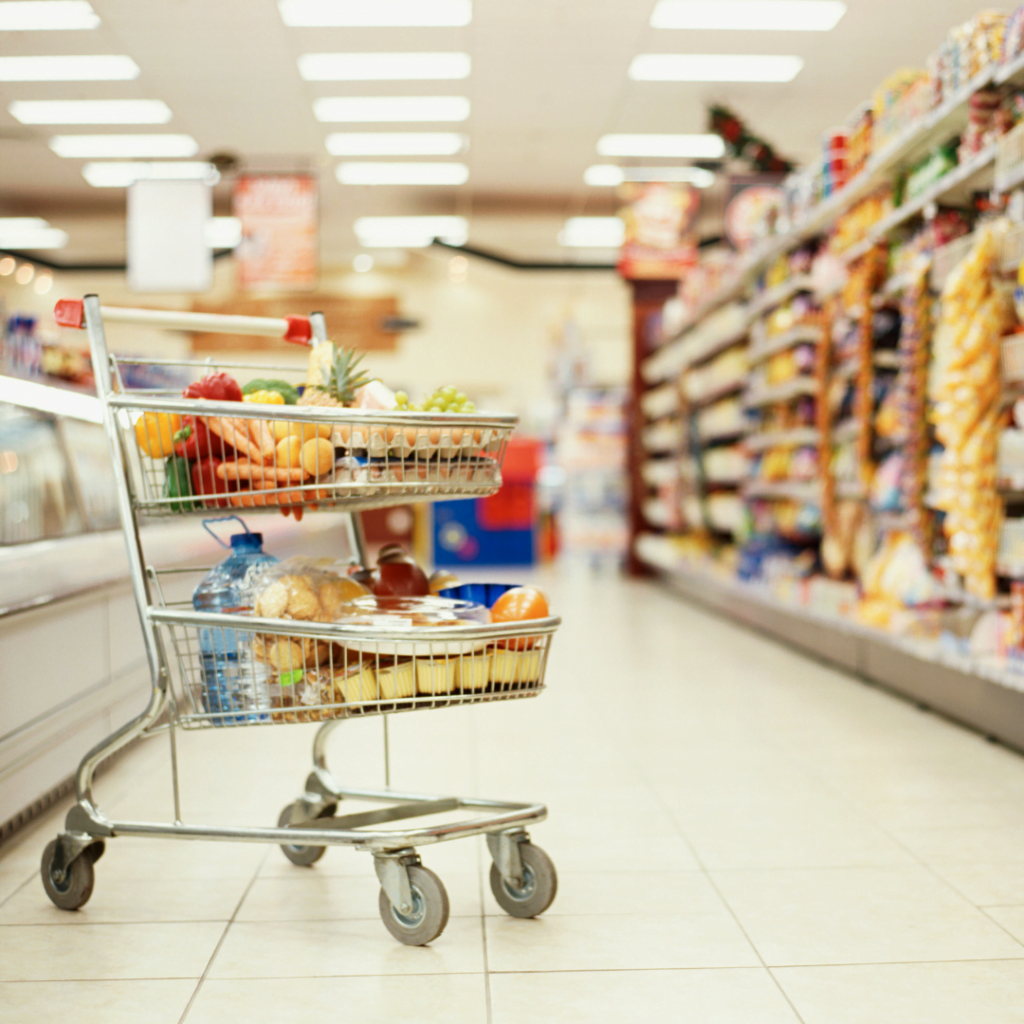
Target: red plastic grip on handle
[70,313]
[300,331]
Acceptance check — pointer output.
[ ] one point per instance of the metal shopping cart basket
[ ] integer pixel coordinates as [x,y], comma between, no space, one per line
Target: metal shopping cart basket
[347,671]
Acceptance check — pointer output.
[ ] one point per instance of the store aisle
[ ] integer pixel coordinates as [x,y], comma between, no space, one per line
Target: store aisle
[742,835]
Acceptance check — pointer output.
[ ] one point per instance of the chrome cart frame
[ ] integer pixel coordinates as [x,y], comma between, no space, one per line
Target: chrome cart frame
[511,657]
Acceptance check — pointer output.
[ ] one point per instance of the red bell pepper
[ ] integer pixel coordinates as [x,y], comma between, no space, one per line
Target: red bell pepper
[206,481]
[193,440]
[218,387]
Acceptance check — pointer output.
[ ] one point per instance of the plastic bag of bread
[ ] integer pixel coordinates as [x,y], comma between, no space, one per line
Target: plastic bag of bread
[306,590]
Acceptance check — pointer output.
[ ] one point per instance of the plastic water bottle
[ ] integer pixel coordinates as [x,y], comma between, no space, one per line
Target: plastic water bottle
[233,680]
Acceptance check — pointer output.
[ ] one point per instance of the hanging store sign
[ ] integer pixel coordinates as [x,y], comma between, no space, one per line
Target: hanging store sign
[660,244]
[279,250]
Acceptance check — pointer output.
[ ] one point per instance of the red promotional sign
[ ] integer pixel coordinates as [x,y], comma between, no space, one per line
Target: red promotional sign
[280,232]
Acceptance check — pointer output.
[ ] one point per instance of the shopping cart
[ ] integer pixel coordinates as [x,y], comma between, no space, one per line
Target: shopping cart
[346,671]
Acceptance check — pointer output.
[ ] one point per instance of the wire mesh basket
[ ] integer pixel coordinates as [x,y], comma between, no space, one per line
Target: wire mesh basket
[240,669]
[193,455]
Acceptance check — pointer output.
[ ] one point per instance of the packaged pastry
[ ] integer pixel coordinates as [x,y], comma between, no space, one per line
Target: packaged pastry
[397,680]
[435,675]
[305,590]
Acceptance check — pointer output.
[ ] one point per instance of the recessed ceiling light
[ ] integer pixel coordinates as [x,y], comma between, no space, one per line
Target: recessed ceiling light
[121,174]
[90,111]
[714,67]
[592,232]
[689,147]
[610,175]
[749,15]
[409,232]
[391,108]
[37,237]
[223,232]
[79,68]
[376,14]
[396,143]
[402,174]
[363,263]
[40,15]
[367,67]
[89,146]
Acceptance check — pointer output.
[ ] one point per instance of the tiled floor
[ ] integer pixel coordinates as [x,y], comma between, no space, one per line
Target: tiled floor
[742,835]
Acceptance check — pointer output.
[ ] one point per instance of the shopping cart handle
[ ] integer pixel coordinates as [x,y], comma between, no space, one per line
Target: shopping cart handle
[295,329]
[70,313]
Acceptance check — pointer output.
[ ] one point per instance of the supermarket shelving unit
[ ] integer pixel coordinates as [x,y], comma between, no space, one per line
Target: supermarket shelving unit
[976,692]
[346,670]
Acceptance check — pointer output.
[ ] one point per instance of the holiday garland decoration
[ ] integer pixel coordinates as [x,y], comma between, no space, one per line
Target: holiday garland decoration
[741,144]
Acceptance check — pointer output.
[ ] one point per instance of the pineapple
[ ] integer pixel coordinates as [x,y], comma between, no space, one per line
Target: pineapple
[340,367]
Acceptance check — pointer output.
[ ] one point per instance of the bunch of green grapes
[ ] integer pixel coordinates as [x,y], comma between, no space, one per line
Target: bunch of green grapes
[447,399]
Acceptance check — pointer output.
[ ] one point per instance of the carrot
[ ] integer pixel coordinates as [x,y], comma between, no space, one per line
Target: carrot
[263,437]
[236,434]
[247,499]
[242,469]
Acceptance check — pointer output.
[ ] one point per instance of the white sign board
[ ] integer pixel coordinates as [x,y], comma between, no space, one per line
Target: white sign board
[167,248]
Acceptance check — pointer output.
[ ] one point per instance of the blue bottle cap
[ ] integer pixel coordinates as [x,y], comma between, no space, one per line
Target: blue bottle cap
[247,540]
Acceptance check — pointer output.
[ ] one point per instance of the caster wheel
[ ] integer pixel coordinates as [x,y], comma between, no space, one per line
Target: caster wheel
[74,889]
[539,888]
[304,856]
[429,913]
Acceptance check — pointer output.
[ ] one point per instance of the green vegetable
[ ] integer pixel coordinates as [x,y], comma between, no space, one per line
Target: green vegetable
[178,484]
[282,387]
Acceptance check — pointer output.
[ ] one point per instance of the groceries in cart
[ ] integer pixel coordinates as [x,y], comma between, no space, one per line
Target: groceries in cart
[399,641]
[289,460]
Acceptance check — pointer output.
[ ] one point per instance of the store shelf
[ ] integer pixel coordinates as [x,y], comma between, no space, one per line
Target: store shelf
[953,188]
[785,392]
[848,430]
[662,437]
[799,437]
[724,481]
[660,402]
[981,693]
[730,434]
[659,472]
[730,387]
[803,334]
[788,490]
[851,490]
[658,513]
[781,293]
[847,369]
[887,359]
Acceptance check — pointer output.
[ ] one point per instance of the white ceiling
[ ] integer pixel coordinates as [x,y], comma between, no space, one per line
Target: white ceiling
[549,77]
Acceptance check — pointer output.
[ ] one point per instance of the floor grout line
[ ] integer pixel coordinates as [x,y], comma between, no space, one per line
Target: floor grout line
[224,935]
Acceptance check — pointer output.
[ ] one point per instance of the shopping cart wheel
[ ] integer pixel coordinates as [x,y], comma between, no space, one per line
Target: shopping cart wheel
[72,888]
[429,913]
[538,889]
[304,856]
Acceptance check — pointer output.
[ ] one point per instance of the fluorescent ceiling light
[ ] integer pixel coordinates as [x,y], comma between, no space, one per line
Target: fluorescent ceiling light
[396,143]
[749,15]
[122,174]
[402,174]
[375,13]
[87,146]
[688,147]
[592,232]
[391,108]
[223,232]
[40,15]
[714,67]
[610,175]
[88,68]
[90,111]
[30,233]
[40,238]
[384,67]
[409,232]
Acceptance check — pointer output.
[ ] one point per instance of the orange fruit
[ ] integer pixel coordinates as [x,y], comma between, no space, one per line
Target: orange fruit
[519,605]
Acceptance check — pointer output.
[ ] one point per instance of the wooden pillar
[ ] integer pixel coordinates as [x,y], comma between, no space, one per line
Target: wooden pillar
[648,299]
